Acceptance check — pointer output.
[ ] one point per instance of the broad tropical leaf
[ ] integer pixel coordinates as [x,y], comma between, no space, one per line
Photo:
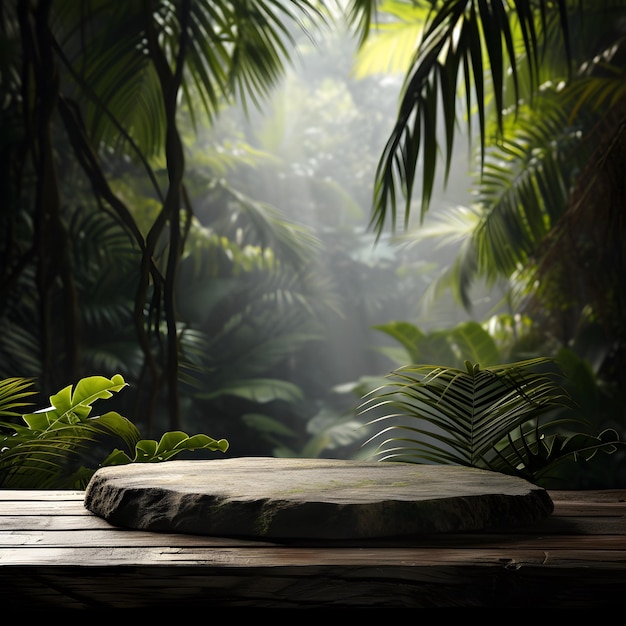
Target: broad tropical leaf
[61,446]
[171,444]
[449,347]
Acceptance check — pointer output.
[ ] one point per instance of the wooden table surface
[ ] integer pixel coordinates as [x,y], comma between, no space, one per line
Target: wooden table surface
[56,554]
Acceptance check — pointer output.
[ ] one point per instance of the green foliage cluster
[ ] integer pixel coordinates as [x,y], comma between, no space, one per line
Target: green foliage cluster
[51,450]
[503,418]
[121,255]
[540,88]
[542,418]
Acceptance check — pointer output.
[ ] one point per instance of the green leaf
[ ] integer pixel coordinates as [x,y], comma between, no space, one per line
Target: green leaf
[170,441]
[406,333]
[119,426]
[145,450]
[117,457]
[76,406]
[468,340]
[12,391]
[170,444]
[267,425]
[501,418]
[260,390]
[473,342]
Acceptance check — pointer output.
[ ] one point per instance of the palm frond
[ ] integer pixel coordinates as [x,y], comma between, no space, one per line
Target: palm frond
[254,38]
[12,394]
[20,348]
[461,41]
[102,47]
[232,48]
[524,186]
[263,225]
[50,459]
[522,193]
[361,14]
[480,417]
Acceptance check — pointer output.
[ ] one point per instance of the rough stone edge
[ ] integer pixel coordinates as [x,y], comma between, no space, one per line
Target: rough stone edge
[275,519]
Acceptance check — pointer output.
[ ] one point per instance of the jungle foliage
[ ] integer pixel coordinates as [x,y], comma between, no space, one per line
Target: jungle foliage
[539,90]
[124,246]
[129,245]
[60,446]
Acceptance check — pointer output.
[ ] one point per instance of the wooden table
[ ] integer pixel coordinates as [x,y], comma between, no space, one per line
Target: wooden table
[56,554]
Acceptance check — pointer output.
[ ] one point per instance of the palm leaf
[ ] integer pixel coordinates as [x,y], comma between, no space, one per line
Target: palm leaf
[45,462]
[522,194]
[460,41]
[12,394]
[102,47]
[231,46]
[54,458]
[479,417]
[524,185]
[258,223]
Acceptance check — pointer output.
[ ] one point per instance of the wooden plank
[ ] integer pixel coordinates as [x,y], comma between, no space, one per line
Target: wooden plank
[574,522]
[72,539]
[106,538]
[40,495]
[322,587]
[297,557]
[559,526]
[579,525]
[336,580]
[57,508]
[12,523]
[55,554]
[598,509]
[604,495]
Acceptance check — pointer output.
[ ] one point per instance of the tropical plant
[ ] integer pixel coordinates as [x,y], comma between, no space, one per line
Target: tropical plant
[483,57]
[62,445]
[542,91]
[327,432]
[13,392]
[450,347]
[89,86]
[501,339]
[316,177]
[502,418]
[541,87]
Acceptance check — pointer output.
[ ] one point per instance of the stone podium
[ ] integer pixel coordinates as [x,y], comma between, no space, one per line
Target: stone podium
[277,498]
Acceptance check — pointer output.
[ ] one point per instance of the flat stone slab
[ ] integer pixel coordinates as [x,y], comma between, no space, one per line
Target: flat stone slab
[278,498]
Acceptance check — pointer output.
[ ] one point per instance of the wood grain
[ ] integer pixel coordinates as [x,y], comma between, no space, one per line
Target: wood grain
[56,554]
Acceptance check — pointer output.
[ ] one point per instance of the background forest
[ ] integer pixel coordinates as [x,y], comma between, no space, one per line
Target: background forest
[254,211]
